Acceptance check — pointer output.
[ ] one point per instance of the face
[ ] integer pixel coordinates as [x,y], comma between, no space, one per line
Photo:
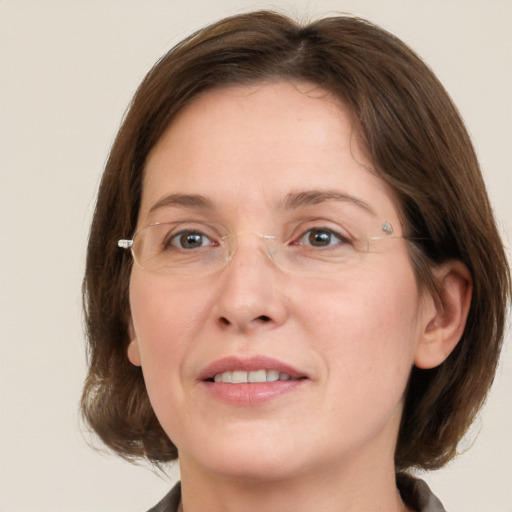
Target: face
[281,160]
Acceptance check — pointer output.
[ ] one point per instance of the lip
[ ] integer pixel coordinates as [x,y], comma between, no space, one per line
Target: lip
[247,394]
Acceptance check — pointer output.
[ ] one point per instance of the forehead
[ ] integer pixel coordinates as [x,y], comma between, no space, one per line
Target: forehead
[249,147]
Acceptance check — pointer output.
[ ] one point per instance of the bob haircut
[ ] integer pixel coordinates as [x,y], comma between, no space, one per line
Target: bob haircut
[417,143]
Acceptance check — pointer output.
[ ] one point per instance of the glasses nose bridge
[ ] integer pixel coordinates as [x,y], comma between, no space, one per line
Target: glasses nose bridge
[266,242]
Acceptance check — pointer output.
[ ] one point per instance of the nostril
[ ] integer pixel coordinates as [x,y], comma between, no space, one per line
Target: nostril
[263,319]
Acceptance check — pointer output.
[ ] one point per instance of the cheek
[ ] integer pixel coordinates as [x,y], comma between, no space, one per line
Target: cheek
[162,313]
[165,319]
[368,326]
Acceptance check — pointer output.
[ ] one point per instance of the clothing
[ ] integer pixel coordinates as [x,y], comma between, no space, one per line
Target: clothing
[415,493]
[170,502]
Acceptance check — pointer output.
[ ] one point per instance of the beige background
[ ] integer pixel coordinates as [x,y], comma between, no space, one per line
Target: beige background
[68,70]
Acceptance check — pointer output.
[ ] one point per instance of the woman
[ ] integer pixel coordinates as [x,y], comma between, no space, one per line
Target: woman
[317,294]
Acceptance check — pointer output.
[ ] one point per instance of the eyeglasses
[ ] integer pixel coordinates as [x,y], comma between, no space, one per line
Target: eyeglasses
[191,249]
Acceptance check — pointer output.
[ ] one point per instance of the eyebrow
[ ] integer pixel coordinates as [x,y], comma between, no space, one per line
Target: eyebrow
[187,200]
[292,201]
[304,198]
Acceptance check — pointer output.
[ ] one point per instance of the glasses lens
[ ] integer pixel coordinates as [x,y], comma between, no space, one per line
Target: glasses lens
[176,248]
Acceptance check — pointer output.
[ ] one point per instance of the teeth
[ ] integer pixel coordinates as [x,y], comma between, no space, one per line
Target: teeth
[243,377]
[237,377]
[272,376]
[257,376]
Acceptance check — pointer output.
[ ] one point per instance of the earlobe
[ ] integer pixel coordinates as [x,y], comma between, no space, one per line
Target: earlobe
[132,351]
[444,316]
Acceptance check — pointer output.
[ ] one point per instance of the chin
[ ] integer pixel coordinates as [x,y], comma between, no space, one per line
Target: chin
[252,458]
[254,468]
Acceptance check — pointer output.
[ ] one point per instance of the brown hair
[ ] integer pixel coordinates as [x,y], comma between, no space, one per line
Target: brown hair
[418,144]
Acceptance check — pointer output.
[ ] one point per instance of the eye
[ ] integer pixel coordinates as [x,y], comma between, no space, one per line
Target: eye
[321,237]
[189,239]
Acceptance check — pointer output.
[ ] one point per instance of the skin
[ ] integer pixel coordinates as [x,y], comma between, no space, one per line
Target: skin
[328,444]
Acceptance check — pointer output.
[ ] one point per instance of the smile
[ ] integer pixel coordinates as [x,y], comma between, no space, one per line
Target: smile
[250,381]
[247,377]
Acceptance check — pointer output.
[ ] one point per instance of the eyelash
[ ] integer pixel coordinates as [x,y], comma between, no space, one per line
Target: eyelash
[175,239]
[306,235]
[171,238]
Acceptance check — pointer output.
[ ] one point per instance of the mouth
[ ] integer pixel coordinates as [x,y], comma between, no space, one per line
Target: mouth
[250,381]
[253,369]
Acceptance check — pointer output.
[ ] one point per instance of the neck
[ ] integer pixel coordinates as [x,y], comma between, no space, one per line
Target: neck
[370,490]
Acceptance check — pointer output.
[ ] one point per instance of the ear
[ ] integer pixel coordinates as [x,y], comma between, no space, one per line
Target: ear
[133,351]
[445,315]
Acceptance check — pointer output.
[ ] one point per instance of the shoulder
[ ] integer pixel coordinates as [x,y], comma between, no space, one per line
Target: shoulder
[417,494]
[170,501]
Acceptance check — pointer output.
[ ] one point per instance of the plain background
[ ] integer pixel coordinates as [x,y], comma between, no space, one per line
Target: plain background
[68,70]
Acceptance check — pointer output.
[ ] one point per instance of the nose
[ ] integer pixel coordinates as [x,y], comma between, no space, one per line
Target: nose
[251,290]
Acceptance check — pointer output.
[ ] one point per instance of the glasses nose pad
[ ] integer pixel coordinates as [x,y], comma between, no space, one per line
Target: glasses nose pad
[271,247]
